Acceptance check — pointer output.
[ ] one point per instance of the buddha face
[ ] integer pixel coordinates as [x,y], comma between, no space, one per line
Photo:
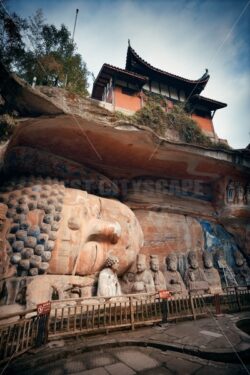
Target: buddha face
[172,264]
[64,231]
[115,266]
[140,266]
[154,265]
[208,263]
[239,260]
[193,262]
[91,229]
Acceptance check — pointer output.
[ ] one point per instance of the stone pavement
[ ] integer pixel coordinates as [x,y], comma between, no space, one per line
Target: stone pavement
[202,347]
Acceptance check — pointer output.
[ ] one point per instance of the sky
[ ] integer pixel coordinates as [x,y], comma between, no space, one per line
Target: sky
[183,37]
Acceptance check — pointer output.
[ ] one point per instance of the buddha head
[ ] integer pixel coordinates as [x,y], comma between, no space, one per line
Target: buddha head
[238,258]
[141,263]
[57,230]
[207,259]
[112,262]
[192,260]
[171,261]
[154,263]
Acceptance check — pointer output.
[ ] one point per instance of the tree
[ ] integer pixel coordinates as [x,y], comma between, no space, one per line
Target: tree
[50,54]
[12,47]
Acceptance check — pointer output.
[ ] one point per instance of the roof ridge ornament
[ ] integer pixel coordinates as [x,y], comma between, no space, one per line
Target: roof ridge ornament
[205,75]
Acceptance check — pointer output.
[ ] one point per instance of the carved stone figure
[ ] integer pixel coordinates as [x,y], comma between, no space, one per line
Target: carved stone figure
[144,282]
[194,276]
[241,269]
[240,193]
[230,192]
[227,274]
[158,277]
[127,282]
[6,268]
[49,229]
[211,274]
[174,282]
[108,283]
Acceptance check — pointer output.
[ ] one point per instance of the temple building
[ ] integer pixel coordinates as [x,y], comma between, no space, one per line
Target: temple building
[125,90]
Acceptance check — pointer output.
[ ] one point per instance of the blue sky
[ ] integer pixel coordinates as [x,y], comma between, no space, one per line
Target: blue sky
[180,36]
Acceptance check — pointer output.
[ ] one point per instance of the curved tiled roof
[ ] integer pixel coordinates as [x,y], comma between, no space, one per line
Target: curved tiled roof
[131,53]
[213,104]
[106,72]
[127,72]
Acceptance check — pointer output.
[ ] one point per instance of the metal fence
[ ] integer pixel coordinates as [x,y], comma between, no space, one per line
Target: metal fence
[83,316]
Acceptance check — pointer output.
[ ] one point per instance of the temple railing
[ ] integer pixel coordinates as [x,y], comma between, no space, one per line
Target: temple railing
[100,314]
[19,336]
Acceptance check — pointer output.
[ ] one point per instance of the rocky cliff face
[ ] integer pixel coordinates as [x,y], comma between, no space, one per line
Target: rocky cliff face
[185,197]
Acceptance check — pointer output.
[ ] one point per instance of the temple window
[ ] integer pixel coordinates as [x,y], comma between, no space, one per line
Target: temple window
[164,90]
[155,87]
[182,96]
[173,93]
[121,83]
[128,91]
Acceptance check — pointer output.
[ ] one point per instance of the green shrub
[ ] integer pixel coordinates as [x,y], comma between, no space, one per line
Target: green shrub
[187,128]
[154,116]
[121,116]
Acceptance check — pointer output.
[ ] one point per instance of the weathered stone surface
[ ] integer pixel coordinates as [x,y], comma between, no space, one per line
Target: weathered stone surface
[165,232]
[26,99]
[46,287]
[172,160]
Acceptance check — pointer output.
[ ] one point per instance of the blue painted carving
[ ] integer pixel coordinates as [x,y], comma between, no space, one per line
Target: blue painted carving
[215,238]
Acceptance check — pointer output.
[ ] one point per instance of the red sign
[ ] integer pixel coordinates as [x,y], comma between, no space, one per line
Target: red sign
[164,294]
[44,308]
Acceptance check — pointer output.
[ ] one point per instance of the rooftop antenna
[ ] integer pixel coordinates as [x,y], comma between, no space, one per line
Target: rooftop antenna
[77,10]
[66,76]
[129,42]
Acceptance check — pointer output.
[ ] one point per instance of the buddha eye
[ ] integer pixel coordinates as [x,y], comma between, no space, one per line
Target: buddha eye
[74,223]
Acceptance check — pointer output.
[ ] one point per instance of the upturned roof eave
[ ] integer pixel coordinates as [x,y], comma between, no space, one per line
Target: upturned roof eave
[214,104]
[107,67]
[132,53]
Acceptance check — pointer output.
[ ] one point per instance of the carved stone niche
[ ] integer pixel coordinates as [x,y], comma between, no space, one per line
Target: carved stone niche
[240,193]
[230,192]
[51,230]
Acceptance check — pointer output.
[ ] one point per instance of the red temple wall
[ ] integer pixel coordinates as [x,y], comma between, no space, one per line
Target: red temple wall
[129,102]
[205,124]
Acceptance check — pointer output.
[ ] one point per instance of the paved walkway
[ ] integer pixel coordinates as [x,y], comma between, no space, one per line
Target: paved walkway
[202,347]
